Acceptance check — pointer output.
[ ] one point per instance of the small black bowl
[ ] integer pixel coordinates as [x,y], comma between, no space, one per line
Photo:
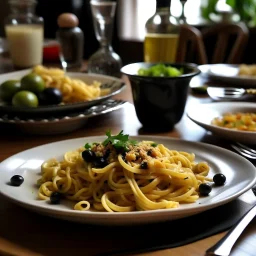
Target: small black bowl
[159,101]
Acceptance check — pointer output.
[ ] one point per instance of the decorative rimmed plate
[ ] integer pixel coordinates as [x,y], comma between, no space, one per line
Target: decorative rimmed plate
[114,84]
[61,123]
[205,113]
[240,174]
[229,74]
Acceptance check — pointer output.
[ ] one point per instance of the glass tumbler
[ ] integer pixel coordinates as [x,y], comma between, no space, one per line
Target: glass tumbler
[25,33]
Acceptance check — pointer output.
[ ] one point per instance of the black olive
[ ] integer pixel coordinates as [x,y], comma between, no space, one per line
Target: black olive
[100,162]
[16,180]
[205,189]
[107,153]
[149,153]
[120,150]
[144,165]
[88,155]
[50,96]
[55,198]
[219,179]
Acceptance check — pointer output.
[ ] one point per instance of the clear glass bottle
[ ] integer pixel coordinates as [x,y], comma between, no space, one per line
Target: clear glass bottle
[162,34]
[105,60]
[25,33]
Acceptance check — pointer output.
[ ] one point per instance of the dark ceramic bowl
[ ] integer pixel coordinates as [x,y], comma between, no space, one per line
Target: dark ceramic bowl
[159,101]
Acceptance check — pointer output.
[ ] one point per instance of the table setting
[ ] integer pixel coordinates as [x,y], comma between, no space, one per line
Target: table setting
[145,158]
[237,197]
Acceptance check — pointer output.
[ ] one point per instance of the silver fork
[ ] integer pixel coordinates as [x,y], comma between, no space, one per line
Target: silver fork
[244,150]
[228,93]
[248,153]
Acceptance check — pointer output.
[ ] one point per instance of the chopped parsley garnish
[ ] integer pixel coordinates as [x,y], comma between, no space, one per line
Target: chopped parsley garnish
[154,144]
[120,141]
[88,145]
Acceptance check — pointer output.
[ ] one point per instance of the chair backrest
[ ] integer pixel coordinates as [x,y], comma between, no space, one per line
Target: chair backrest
[191,46]
[230,42]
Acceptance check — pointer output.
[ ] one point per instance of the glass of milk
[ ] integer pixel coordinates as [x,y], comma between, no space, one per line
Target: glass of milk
[25,34]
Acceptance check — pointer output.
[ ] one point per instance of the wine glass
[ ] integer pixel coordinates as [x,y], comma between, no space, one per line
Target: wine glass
[182,18]
[105,60]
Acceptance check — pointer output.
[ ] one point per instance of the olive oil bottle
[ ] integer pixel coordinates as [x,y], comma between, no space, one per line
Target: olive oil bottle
[162,34]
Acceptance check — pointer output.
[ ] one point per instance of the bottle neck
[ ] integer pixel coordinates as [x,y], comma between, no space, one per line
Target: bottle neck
[22,7]
[163,4]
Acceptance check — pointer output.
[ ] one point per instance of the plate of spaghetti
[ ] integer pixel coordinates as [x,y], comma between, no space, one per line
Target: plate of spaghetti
[78,90]
[123,180]
[235,121]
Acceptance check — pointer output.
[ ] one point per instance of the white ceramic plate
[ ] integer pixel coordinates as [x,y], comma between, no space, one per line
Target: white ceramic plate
[205,113]
[229,74]
[114,84]
[62,123]
[240,174]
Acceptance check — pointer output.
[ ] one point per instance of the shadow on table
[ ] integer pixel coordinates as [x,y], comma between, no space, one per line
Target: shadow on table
[50,236]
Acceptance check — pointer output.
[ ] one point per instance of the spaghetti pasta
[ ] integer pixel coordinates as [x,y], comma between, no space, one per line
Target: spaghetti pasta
[144,176]
[73,90]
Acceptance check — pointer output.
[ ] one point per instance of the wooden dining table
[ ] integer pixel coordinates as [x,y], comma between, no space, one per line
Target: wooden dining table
[26,233]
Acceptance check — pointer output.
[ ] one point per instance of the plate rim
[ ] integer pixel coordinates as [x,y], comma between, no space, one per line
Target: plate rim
[110,216]
[66,118]
[228,78]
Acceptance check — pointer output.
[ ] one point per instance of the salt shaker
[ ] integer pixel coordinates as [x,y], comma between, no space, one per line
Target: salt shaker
[71,40]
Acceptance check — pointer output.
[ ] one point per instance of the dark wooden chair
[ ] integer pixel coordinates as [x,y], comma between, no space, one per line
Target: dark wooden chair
[226,42]
[191,46]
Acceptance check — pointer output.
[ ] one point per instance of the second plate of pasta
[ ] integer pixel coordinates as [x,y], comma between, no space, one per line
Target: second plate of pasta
[235,121]
[155,180]
[79,90]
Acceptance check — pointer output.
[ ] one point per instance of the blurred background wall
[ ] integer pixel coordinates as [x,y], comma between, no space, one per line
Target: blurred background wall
[51,9]
[4,10]
[130,20]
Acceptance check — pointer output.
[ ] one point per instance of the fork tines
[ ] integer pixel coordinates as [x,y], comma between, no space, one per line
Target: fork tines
[244,150]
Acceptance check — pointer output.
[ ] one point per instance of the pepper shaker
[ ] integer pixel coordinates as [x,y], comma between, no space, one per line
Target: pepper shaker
[71,40]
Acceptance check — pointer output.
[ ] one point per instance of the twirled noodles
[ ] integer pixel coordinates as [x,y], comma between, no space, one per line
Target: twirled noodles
[146,177]
[73,90]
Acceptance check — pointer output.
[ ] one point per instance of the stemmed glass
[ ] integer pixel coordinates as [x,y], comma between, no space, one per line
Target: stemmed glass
[182,18]
[105,60]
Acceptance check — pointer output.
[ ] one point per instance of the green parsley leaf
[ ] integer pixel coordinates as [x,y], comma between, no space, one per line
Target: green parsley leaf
[120,141]
[87,145]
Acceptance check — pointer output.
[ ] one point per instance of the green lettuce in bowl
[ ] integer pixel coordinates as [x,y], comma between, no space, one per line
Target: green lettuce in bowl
[161,70]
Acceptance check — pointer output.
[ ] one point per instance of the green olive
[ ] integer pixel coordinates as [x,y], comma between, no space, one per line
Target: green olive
[32,82]
[25,99]
[8,89]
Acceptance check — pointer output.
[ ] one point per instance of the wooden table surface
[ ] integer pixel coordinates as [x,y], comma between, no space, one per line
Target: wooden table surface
[23,232]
